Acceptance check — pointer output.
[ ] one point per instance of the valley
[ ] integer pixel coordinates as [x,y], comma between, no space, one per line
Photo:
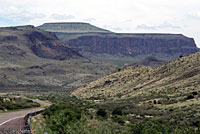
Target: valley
[101,82]
[35,60]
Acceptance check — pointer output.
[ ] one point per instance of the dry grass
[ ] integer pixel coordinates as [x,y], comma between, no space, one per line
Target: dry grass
[179,77]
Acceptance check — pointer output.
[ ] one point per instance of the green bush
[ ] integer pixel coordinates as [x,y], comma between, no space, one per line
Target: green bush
[118,119]
[155,127]
[64,119]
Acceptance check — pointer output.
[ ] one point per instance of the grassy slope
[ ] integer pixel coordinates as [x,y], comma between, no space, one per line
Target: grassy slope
[176,77]
[46,74]
[169,93]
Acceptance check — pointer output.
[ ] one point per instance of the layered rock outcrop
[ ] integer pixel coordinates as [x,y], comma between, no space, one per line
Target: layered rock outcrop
[22,40]
[132,46]
[87,38]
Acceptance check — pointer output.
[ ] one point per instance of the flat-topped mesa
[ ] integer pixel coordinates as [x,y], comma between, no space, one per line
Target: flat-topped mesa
[72,27]
[91,40]
[135,44]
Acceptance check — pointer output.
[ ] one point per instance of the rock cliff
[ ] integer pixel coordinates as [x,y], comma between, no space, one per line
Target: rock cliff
[28,40]
[137,45]
[92,41]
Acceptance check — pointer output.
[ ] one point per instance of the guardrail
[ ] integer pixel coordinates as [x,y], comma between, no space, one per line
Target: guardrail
[27,124]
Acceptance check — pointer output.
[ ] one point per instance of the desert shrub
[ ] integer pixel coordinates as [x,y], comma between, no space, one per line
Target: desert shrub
[1,107]
[117,111]
[118,119]
[180,56]
[102,113]
[189,97]
[18,103]
[159,102]
[119,95]
[154,102]
[155,127]
[194,93]
[29,101]
[64,119]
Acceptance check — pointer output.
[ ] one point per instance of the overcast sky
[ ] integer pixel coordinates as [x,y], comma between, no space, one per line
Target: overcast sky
[130,16]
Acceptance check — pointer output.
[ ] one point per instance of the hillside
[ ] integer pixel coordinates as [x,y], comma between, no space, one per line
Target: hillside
[28,41]
[177,78]
[104,46]
[76,27]
[33,59]
[169,94]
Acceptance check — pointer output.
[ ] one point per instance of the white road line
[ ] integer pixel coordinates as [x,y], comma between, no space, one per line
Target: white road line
[11,120]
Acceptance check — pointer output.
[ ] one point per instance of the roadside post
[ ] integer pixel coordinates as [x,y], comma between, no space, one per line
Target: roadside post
[30,121]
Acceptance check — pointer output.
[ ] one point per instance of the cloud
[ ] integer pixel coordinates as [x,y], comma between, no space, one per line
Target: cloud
[26,17]
[156,27]
[89,19]
[112,28]
[14,15]
[194,15]
[117,15]
[62,17]
[128,21]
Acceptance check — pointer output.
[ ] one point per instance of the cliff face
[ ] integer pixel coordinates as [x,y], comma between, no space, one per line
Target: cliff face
[28,40]
[90,40]
[132,46]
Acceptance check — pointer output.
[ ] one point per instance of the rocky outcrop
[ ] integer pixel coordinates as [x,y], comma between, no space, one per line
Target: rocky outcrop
[19,41]
[91,40]
[136,45]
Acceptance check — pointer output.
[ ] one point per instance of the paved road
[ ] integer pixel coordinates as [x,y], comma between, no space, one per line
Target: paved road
[12,122]
[13,127]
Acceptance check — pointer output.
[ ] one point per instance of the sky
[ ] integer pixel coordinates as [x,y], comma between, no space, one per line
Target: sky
[123,16]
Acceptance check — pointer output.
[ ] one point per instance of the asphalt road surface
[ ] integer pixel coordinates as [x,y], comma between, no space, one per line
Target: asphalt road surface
[15,126]
[12,122]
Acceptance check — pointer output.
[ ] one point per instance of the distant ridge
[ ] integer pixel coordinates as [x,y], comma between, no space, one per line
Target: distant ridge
[24,41]
[72,27]
[93,42]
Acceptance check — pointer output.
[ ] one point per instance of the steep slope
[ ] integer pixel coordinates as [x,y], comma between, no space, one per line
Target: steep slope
[150,61]
[76,27]
[177,78]
[33,59]
[27,40]
[169,93]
